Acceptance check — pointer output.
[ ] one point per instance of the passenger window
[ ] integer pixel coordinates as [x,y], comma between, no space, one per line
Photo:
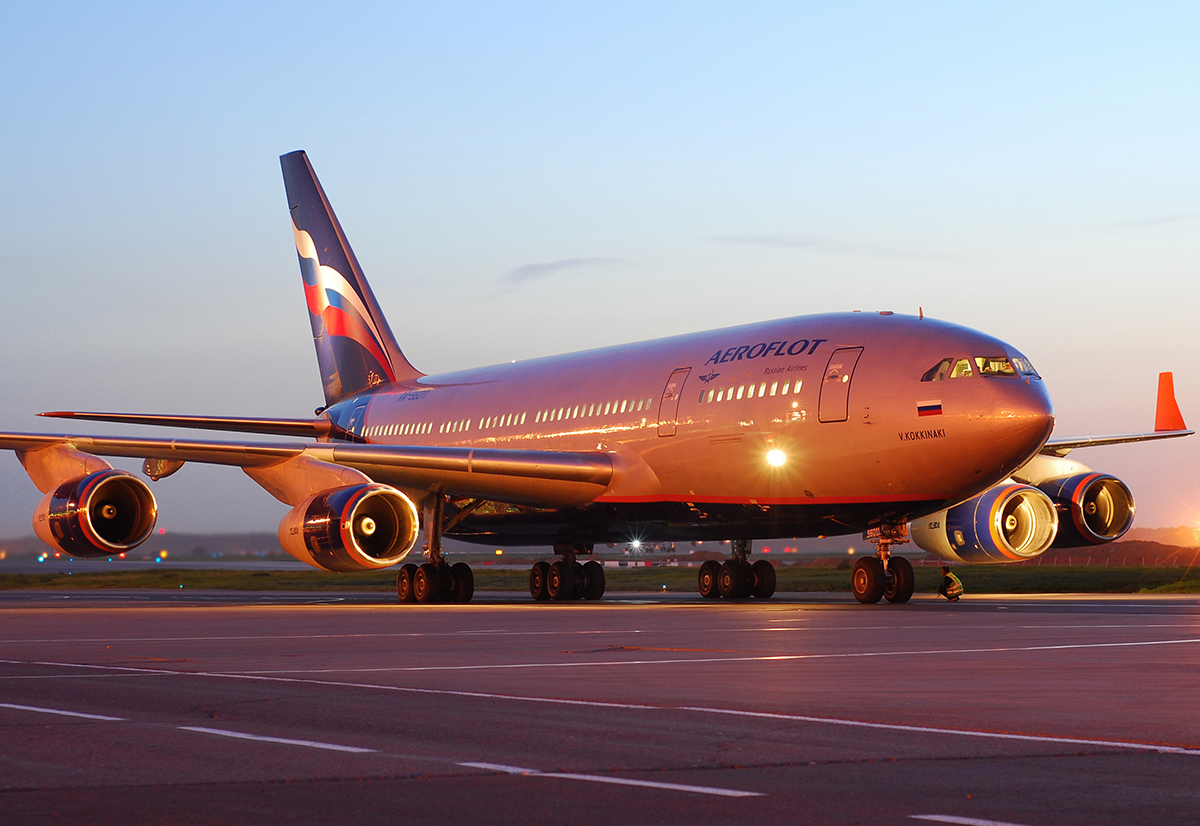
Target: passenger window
[762,390]
[783,392]
[994,366]
[710,395]
[522,418]
[623,403]
[962,369]
[796,389]
[774,387]
[939,371]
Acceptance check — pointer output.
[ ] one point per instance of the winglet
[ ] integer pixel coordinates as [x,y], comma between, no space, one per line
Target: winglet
[1166,414]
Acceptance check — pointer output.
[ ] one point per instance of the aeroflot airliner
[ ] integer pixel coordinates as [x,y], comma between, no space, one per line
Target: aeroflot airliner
[806,426]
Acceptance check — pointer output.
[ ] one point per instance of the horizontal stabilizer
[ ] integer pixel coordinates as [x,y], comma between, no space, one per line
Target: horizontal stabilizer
[303,428]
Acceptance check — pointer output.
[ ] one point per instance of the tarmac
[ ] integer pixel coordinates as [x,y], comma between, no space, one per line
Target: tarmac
[235,707]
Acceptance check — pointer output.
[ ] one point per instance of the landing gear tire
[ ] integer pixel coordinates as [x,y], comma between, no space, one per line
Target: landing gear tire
[538,576]
[900,580]
[560,584]
[733,580]
[868,580]
[593,579]
[404,583]
[427,584]
[710,572]
[463,578]
[763,576]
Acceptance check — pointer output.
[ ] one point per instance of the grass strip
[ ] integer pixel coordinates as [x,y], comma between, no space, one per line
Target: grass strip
[978,580]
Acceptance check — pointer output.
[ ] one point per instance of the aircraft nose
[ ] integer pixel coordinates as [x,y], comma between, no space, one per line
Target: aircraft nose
[1023,416]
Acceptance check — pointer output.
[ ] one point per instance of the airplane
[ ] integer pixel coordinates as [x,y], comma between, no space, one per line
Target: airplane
[859,422]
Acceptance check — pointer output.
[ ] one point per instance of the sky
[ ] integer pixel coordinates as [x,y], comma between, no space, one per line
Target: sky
[520,180]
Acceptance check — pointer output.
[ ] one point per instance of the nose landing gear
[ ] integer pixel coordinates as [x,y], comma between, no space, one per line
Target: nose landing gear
[736,578]
[883,576]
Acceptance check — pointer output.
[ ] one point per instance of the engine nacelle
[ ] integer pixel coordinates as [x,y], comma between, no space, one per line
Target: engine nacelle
[1008,523]
[1093,508]
[355,528]
[101,514]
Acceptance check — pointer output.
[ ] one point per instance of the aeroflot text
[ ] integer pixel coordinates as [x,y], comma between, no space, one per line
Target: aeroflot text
[800,347]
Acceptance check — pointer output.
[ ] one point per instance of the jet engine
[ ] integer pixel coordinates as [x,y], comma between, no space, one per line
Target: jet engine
[354,528]
[101,514]
[1093,508]
[1008,523]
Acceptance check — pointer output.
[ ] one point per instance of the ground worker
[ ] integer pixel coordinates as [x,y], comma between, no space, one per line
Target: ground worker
[951,587]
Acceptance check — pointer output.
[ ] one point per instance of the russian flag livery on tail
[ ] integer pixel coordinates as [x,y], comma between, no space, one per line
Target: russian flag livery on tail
[355,347]
[788,439]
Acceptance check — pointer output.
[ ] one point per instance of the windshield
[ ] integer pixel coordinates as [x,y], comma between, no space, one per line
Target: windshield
[995,366]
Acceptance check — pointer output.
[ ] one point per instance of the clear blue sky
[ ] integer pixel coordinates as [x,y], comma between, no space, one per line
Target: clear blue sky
[1032,172]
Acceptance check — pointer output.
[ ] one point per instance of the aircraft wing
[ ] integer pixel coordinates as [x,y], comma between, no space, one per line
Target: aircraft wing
[1168,424]
[546,478]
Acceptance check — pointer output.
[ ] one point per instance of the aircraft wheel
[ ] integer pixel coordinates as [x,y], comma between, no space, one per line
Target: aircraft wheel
[707,581]
[561,581]
[404,583]
[764,579]
[464,582]
[427,584]
[593,580]
[732,579]
[867,580]
[899,587]
[538,575]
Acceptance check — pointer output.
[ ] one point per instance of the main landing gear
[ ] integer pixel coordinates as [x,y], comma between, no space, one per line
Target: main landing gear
[567,578]
[883,575]
[436,580]
[736,578]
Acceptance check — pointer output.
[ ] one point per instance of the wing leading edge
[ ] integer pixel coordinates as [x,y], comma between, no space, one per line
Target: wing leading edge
[531,477]
[1168,424]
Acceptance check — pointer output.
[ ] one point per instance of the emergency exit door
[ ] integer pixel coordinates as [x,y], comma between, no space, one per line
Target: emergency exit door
[668,408]
[835,387]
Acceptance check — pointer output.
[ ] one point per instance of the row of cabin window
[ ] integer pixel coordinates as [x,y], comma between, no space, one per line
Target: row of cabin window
[501,421]
[410,429]
[723,394]
[599,409]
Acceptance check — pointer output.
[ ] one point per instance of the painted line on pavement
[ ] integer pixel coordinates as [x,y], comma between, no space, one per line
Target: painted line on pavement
[312,744]
[833,721]
[614,781]
[962,821]
[41,710]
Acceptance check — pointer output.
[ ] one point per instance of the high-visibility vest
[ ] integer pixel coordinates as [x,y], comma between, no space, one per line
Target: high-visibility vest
[955,588]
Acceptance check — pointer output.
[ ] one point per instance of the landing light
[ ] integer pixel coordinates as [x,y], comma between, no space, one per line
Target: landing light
[776,458]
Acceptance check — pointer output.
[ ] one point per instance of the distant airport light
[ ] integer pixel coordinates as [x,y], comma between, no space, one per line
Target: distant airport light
[850,551]
[635,544]
[162,554]
[499,552]
[776,458]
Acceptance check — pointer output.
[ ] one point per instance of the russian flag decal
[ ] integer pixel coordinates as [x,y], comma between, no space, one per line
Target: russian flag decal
[933,407]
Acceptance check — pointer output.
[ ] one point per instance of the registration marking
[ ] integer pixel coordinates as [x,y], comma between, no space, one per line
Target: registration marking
[614,781]
[283,741]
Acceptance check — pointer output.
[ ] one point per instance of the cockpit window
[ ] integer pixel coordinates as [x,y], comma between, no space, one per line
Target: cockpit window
[962,369]
[939,371]
[1025,367]
[995,366]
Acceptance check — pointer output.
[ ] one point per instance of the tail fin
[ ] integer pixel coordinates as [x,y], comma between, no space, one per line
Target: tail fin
[355,347]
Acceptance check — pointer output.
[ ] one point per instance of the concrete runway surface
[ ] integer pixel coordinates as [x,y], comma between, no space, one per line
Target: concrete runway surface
[170,707]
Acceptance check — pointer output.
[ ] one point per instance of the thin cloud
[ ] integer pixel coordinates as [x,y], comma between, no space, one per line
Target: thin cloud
[827,245]
[537,272]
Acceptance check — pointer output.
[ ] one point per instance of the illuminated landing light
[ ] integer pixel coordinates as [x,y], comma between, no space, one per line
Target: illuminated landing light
[776,458]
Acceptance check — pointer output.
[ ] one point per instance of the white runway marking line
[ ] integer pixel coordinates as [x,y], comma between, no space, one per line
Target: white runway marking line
[744,659]
[615,781]
[40,710]
[312,744]
[835,721]
[962,821]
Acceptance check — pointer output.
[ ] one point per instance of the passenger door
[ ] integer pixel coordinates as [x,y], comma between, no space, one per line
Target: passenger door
[835,387]
[668,408]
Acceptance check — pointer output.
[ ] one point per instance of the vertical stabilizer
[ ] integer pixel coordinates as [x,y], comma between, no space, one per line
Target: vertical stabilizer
[355,347]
